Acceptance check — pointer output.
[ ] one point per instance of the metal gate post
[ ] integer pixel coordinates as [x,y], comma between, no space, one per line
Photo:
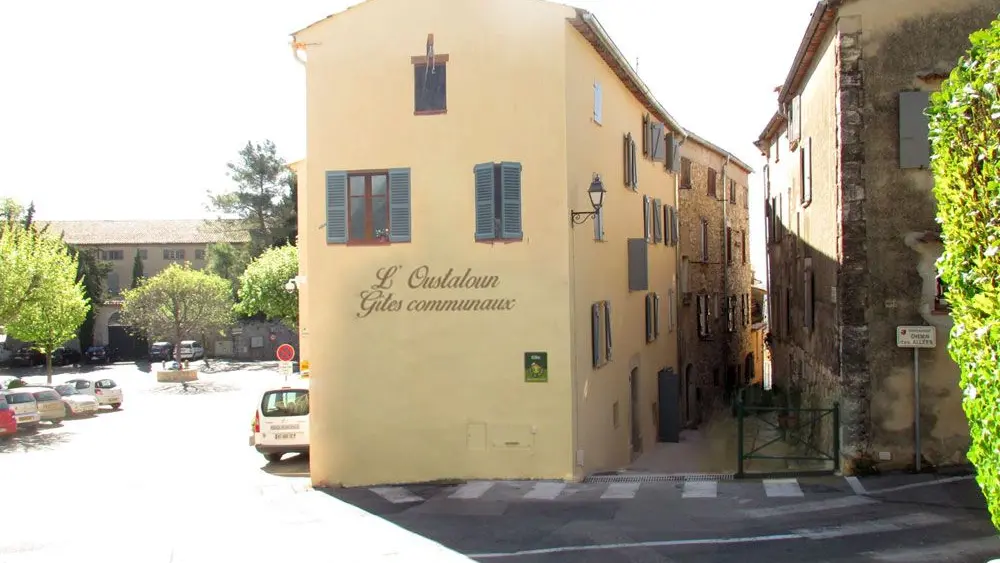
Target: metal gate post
[836,436]
[739,438]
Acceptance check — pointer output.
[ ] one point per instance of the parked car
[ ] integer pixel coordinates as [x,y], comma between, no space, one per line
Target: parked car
[281,421]
[50,405]
[192,350]
[77,403]
[25,408]
[105,390]
[161,351]
[66,356]
[8,420]
[96,355]
[27,356]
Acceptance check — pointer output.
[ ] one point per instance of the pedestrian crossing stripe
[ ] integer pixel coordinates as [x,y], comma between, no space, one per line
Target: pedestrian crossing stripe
[788,488]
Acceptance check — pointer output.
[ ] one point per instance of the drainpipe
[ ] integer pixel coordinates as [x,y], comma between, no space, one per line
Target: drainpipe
[296,46]
[727,341]
[677,278]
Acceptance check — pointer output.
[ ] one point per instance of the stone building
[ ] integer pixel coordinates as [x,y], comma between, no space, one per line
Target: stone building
[715,278]
[852,237]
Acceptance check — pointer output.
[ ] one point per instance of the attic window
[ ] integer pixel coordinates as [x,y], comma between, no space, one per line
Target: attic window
[430,81]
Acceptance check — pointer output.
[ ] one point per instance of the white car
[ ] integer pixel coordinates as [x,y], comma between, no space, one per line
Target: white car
[25,408]
[281,421]
[77,403]
[106,391]
[192,350]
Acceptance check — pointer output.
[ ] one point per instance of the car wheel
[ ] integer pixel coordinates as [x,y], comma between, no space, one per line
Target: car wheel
[273,457]
[116,406]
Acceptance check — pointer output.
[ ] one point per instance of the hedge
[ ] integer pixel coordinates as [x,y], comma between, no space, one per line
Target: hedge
[965,140]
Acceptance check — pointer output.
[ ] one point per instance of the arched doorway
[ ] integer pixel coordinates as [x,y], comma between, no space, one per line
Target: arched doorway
[121,341]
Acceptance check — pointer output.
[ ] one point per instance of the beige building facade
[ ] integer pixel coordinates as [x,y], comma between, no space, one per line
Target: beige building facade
[158,243]
[852,237]
[715,277]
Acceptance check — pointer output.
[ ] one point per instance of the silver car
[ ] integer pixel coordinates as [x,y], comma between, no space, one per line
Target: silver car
[25,408]
[77,403]
[50,405]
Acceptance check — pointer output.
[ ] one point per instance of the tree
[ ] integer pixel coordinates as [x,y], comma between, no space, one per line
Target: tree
[262,286]
[51,320]
[263,197]
[179,303]
[228,262]
[965,142]
[91,272]
[28,258]
[136,270]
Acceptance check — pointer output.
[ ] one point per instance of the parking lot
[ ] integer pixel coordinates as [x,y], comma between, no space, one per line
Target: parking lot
[175,461]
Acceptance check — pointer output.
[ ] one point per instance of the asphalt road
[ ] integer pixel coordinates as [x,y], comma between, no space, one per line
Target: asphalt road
[170,478]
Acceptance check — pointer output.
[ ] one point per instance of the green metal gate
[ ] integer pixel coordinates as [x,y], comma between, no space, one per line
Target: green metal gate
[781,439]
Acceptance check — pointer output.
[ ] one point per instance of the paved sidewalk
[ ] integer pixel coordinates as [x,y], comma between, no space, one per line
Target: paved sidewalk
[307,526]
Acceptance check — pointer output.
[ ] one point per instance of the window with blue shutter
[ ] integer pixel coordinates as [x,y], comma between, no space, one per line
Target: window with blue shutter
[498,201]
[598,103]
[647,230]
[336,207]
[649,317]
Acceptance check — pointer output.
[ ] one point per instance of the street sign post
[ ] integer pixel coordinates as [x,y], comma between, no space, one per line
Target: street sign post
[285,353]
[916,337]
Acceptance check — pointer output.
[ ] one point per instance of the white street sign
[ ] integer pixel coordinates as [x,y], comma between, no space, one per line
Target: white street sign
[916,337]
[286,368]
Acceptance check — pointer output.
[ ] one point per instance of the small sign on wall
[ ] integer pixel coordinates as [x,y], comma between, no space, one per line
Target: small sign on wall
[916,337]
[536,367]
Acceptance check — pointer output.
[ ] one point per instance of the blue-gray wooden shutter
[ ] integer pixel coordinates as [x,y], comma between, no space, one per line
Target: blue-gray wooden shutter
[649,317]
[627,149]
[607,330]
[510,197]
[485,212]
[400,229]
[656,315]
[675,150]
[807,172]
[645,135]
[914,130]
[595,333]
[657,221]
[336,207]
[647,230]
[674,227]
[638,276]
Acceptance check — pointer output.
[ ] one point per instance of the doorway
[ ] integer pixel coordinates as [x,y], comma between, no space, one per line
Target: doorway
[634,421]
[689,395]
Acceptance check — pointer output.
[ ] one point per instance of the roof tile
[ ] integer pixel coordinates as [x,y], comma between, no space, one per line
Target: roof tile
[179,231]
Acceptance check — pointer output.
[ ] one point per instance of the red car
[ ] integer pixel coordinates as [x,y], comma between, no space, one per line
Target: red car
[8,422]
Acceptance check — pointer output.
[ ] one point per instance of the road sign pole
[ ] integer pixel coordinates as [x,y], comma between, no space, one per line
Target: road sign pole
[916,409]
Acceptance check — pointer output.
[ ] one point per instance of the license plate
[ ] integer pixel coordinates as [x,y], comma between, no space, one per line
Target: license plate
[284,435]
[276,427]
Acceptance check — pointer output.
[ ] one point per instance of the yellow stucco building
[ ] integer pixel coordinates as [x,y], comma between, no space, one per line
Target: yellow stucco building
[457,322]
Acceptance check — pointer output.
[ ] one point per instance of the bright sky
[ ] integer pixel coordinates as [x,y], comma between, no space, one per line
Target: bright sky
[119,109]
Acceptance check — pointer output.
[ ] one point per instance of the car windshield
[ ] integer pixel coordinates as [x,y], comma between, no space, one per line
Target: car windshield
[19,398]
[66,390]
[47,395]
[286,402]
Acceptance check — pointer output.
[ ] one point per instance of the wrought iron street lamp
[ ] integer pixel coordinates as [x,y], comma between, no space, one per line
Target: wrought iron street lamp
[596,193]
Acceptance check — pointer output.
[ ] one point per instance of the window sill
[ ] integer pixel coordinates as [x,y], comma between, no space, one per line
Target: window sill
[364,243]
[431,112]
[685,186]
[500,240]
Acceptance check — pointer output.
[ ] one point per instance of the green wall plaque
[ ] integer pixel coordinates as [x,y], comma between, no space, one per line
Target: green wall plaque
[536,367]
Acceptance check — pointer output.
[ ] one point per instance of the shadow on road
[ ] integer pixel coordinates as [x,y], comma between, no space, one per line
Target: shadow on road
[194,388]
[294,465]
[223,366]
[34,441]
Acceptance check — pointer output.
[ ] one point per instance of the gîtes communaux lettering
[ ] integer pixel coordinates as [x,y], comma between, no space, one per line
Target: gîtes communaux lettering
[378,300]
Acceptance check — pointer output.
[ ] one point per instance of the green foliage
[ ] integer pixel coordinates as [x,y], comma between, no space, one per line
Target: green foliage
[179,303]
[57,305]
[228,262]
[262,286]
[965,136]
[264,197]
[91,272]
[137,270]
[28,259]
